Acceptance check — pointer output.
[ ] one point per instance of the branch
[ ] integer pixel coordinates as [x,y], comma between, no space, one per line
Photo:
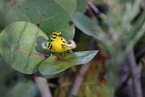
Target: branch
[43,86]
[122,84]
[79,79]
[80,76]
[135,71]
[94,7]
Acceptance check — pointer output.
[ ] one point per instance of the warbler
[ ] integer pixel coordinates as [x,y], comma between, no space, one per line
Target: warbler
[58,44]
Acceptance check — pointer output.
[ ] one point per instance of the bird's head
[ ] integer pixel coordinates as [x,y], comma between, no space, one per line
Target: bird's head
[55,35]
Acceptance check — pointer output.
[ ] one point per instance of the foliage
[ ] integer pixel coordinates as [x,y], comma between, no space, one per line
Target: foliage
[121,34]
[21,48]
[94,82]
[52,66]
[70,5]
[21,41]
[47,13]
[28,22]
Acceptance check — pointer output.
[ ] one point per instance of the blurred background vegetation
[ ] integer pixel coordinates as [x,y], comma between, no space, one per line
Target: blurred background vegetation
[119,34]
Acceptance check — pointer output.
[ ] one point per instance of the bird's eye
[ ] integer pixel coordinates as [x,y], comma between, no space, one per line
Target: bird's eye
[55,34]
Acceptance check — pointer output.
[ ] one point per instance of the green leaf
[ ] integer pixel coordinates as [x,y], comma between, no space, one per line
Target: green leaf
[53,16]
[53,66]
[17,41]
[86,25]
[69,5]
[81,5]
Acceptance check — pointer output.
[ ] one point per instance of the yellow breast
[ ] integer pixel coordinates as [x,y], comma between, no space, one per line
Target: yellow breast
[58,45]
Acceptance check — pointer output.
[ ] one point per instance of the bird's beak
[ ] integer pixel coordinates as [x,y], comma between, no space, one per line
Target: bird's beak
[60,35]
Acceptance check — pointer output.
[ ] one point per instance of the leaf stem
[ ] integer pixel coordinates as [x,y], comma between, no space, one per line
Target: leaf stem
[45,56]
[94,7]
[40,21]
[41,17]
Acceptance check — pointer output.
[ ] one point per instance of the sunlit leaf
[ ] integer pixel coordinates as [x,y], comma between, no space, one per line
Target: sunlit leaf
[53,66]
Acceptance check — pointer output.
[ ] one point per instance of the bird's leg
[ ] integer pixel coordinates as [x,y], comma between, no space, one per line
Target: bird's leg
[69,51]
[59,57]
[66,52]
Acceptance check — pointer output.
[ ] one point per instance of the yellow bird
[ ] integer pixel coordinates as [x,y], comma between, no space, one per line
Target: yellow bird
[58,44]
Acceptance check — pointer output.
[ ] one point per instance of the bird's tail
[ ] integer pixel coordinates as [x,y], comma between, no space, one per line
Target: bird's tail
[72,44]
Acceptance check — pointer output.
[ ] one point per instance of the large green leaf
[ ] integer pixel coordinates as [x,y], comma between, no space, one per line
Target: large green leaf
[53,66]
[70,5]
[17,40]
[53,16]
[82,5]
[86,25]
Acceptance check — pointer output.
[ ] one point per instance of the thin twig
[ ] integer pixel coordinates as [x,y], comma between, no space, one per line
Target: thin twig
[43,86]
[60,83]
[51,85]
[124,80]
[94,7]
[80,76]
[79,79]
[122,84]
[135,71]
